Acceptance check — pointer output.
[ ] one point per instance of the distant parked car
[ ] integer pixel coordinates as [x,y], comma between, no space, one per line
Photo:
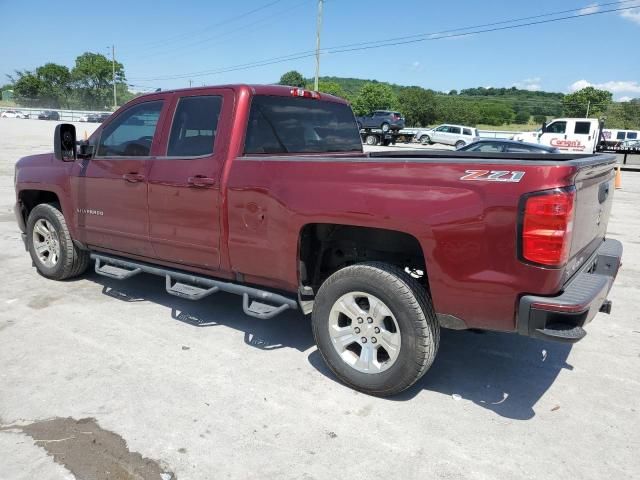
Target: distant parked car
[495,145]
[385,120]
[13,114]
[457,135]
[97,117]
[49,115]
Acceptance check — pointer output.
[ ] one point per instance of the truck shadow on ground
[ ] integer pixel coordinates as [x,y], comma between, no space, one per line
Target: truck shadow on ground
[504,373]
[288,329]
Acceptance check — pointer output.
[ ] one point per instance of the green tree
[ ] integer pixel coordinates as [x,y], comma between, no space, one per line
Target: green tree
[624,115]
[27,88]
[93,80]
[417,105]
[596,101]
[457,110]
[56,84]
[293,79]
[540,119]
[522,116]
[332,88]
[373,96]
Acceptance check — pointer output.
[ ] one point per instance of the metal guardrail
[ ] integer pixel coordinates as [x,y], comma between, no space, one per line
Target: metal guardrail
[65,115]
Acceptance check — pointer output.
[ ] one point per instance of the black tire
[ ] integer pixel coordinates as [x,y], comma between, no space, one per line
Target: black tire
[460,144]
[371,140]
[412,308]
[385,127]
[72,261]
[425,140]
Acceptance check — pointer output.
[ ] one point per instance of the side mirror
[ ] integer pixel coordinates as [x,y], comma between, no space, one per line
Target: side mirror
[64,142]
[544,127]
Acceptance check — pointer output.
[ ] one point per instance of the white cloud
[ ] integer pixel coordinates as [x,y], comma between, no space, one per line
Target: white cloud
[416,66]
[633,15]
[532,84]
[614,86]
[591,8]
[626,98]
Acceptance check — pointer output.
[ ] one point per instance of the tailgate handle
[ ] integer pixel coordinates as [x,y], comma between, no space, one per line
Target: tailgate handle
[603,192]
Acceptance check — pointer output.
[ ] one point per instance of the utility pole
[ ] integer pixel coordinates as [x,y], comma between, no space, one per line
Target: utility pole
[318,30]
[113,71]
[588,105]
[190,83]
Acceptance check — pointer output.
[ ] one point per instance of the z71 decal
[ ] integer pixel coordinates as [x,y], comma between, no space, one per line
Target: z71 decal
[493,175]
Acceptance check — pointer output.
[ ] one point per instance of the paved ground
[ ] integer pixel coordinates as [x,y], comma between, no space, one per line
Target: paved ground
[200,391]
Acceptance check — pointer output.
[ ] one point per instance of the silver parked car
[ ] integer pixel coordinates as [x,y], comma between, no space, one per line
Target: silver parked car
[447,134]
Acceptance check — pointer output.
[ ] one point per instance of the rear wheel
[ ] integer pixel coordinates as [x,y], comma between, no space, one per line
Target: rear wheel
[375,328]
[50,245]
[371,140]
[385,127]
[460,144]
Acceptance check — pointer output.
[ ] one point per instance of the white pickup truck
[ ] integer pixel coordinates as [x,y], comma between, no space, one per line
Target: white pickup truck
[569,135]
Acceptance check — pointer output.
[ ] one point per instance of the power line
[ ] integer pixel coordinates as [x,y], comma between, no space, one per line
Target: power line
[174,38]
[394,42]
[229,34]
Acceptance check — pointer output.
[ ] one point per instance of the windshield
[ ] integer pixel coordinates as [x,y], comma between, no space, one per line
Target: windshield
[300,125]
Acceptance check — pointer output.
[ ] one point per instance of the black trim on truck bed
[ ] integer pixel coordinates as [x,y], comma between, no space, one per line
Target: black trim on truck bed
[563,317]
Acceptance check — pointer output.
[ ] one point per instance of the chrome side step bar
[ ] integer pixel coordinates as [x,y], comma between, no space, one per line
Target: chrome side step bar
[255,302]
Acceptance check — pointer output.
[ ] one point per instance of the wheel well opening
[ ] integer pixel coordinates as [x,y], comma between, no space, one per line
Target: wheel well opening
[31,198]
[326,248]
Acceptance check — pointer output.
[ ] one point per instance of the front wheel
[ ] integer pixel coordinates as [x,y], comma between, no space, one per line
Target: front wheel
[425,140]
[375,328]
[50,245]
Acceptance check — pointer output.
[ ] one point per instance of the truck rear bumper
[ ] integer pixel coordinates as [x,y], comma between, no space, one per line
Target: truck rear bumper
[563,317]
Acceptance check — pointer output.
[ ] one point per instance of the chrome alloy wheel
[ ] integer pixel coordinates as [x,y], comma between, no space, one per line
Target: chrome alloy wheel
[364,332]
[46,243]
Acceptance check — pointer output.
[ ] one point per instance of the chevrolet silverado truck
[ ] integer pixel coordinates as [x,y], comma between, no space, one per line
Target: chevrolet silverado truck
[265,192]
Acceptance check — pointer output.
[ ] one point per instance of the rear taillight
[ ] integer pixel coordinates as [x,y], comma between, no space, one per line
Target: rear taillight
[547,225]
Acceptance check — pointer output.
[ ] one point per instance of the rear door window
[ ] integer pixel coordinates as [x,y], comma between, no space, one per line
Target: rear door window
[194,126]
[131,133]
[300,125]
[455,130]
[582,128]
[632,135]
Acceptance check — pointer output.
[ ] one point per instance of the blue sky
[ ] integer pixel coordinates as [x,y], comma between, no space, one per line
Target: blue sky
[160,38]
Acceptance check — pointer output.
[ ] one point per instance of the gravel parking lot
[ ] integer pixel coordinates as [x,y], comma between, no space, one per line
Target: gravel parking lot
[200,391]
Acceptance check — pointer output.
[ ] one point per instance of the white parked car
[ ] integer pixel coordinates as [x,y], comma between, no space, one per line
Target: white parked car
[13,114]
[447,134]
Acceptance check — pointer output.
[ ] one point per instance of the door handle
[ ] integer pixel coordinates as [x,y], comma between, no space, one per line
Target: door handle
[200,181]
[133,177]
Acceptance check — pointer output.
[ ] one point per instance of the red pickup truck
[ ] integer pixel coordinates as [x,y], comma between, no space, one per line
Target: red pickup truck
[265,192]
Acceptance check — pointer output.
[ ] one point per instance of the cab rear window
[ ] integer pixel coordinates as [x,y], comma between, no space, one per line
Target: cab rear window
[300,125]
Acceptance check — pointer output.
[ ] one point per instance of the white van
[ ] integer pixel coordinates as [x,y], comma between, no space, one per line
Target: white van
[569,135]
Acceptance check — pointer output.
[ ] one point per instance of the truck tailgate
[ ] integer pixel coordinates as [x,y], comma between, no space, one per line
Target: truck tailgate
[594,198]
